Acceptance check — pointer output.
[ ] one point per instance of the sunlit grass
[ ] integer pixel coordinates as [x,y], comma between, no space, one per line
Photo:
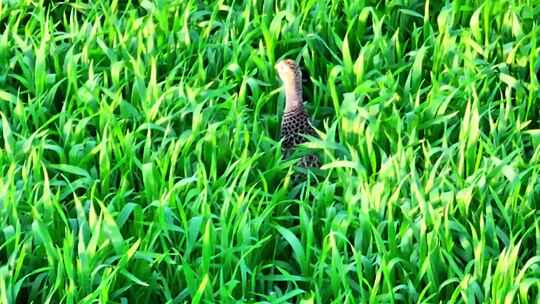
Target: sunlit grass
[140,160]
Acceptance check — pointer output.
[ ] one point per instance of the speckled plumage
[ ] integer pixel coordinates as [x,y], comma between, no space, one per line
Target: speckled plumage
[295,122]
[294,126]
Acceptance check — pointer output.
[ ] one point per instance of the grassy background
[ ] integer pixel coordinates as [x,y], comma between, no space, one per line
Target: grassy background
[139,158]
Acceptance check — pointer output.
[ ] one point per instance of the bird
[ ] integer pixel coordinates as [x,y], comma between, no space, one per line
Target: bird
[295,123]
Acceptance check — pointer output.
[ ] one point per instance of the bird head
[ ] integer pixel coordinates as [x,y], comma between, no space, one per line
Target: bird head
[289,72]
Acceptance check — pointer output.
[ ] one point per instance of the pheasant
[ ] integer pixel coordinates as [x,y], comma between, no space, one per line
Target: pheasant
[295,123]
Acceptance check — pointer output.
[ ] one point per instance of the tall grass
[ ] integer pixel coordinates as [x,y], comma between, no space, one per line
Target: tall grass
[139,157]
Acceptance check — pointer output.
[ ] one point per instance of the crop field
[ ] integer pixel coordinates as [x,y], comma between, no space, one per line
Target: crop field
[141,162]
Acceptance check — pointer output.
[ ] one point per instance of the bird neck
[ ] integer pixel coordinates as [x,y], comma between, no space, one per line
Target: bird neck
[293,96]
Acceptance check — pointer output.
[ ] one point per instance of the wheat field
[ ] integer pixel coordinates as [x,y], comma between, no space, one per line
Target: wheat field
[140,157]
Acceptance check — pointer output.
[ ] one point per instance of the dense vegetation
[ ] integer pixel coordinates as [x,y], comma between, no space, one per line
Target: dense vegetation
[140,158]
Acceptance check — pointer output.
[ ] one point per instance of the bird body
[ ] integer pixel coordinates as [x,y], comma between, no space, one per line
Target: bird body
[295,123]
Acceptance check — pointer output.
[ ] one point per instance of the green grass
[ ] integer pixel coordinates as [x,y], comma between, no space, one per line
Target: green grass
[140,158]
